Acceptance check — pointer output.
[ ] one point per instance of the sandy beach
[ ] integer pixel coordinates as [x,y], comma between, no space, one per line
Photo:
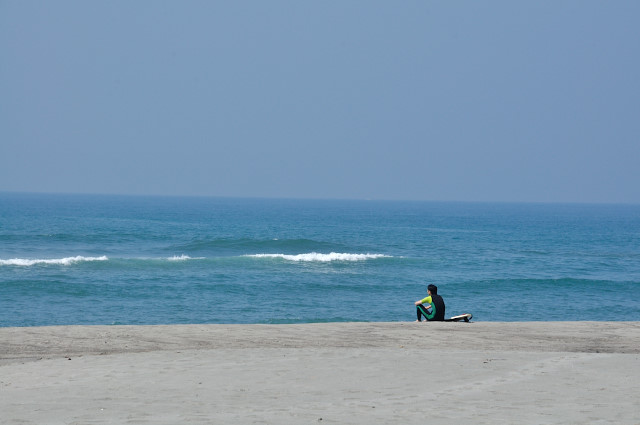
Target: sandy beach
[333,373]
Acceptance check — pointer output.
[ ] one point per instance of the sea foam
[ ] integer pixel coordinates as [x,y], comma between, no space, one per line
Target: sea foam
[184,258]
[315,256]
[59,261]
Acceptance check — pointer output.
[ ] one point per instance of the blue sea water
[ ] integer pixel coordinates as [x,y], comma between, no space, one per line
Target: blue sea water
[80,259]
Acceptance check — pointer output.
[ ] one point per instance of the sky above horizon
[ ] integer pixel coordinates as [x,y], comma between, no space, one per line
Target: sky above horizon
[414,100]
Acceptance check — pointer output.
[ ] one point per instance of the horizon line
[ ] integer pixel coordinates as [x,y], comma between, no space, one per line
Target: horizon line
[293,198]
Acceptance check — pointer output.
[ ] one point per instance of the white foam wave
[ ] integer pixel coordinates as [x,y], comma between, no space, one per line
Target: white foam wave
[315,256]
[183,258]
[59,261]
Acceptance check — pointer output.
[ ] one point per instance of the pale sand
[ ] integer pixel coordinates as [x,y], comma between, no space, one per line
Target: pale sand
[337,373]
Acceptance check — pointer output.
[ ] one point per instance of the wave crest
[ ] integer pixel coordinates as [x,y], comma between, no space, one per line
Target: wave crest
[315,256]
[58,261]
[183,258]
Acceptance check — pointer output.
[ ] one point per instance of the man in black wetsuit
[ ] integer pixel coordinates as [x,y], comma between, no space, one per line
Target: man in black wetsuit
[435,310]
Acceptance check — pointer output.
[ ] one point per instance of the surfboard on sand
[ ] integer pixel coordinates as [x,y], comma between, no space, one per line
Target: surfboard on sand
[462,317]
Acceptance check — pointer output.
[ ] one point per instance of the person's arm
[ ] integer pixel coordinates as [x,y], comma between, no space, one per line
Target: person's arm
[424,300]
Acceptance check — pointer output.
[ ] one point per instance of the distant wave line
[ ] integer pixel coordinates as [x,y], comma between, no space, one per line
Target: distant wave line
[315,256]
[59,261]
[306,257]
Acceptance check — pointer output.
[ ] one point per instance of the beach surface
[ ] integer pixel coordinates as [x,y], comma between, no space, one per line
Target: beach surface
[329,373]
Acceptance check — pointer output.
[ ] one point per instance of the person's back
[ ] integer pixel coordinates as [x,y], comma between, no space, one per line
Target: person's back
[439,307]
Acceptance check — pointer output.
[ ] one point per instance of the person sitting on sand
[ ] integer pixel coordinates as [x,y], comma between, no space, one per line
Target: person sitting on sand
[435,310]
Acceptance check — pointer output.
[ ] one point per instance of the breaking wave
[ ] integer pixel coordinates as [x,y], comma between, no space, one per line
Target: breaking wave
[58,261]
[183,258]
[315,256]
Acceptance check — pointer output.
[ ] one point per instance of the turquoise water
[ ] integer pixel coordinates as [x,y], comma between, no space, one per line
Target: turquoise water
[75,259]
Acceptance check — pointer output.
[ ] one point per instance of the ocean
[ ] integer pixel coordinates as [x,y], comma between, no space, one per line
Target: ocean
[89,260]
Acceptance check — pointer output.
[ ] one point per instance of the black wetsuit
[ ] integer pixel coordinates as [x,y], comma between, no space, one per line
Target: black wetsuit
[436,312]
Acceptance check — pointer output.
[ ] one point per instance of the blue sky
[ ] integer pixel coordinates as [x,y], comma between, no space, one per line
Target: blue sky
[419,100]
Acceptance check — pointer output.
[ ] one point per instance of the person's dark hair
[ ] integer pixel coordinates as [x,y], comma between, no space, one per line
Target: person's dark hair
[433,289]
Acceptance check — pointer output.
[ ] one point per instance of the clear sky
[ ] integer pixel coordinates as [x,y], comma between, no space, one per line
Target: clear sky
[419,100]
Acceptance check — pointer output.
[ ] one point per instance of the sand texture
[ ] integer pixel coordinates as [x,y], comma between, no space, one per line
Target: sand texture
[333,373]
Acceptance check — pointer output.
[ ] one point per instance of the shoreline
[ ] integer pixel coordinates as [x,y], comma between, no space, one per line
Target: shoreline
[342,373]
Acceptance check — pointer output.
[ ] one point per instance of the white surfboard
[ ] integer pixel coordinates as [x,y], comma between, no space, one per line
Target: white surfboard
[462,317]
